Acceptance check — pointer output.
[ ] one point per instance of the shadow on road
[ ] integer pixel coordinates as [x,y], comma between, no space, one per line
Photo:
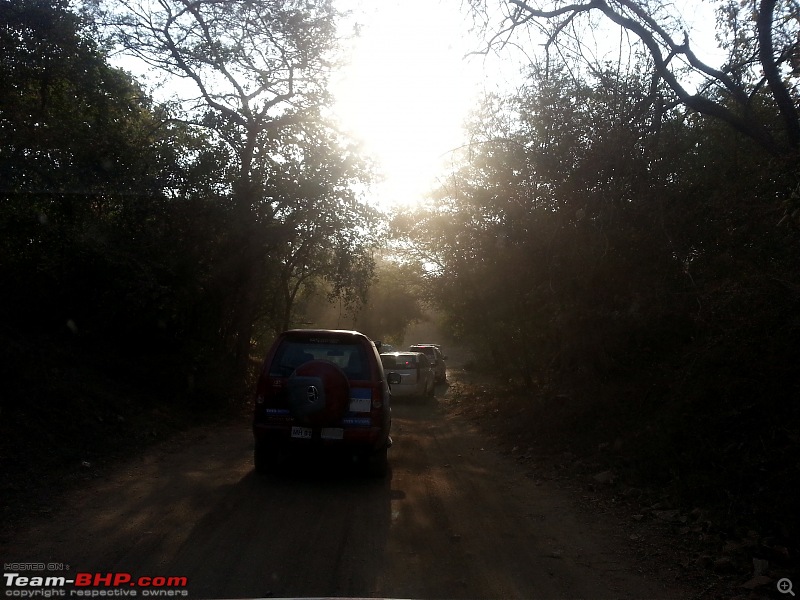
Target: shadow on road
[317,532]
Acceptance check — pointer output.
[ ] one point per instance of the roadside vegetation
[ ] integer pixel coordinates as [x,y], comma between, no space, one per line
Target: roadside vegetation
[150,250]
[147,248]
[623,258]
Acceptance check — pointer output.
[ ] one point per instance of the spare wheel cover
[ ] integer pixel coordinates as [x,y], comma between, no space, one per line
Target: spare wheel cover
[319,406]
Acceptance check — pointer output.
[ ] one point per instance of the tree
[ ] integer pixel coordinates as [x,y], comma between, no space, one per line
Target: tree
[329,232]
[69,122]
[78,161]
[761,39]
[257,67]
[393,303]
[547,230]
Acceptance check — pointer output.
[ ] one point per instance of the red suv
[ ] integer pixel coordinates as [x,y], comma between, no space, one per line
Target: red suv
[323,391]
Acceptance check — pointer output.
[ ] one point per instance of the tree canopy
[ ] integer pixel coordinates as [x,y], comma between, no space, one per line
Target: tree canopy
[191,224]
[627,262]
[754,91]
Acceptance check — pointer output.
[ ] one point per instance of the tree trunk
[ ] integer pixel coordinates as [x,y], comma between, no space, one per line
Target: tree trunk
[249,257]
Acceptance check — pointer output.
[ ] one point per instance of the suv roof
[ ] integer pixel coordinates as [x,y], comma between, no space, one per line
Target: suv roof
[423,347]
[325,332]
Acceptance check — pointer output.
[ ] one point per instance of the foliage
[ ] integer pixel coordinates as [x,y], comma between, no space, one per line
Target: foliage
[257,75]
[635,270]
[80,169]
[540,234]
[329,232]
[129,229]
[761,40]
[393,303]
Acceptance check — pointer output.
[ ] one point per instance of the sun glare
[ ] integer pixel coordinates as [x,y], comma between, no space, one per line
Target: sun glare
[407,91]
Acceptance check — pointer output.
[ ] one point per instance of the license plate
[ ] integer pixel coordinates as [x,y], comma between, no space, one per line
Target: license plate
[301,432]
[360,400]
[332,433]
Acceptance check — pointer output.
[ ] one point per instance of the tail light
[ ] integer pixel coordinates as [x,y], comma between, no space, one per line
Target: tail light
[261,389]
[267,390]
[377,397]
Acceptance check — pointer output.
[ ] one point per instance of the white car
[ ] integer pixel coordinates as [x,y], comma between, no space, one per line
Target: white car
[417,377]
[437,358]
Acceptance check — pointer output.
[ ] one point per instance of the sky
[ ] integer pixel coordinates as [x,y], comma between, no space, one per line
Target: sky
[410,85]
[409,89]
[406,91]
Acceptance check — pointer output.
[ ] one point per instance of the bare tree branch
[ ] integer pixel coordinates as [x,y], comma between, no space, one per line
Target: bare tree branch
[634,16]
[772,74]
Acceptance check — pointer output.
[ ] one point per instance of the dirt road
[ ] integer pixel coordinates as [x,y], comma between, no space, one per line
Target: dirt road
[454,519]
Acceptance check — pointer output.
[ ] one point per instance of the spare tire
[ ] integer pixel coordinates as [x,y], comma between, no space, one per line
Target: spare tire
[319,393]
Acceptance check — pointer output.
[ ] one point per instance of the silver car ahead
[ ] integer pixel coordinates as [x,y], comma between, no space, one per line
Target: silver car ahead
[417,377]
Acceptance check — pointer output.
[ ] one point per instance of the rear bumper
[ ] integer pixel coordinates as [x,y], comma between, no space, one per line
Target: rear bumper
[355,439]
[404,391]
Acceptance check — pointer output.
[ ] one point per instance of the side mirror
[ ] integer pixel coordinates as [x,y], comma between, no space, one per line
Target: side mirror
[394,378]
[378,345]
[444,357]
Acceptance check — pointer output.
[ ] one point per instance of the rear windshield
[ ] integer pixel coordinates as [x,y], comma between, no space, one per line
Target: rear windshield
[425,350]
[399,361]
[351,358]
